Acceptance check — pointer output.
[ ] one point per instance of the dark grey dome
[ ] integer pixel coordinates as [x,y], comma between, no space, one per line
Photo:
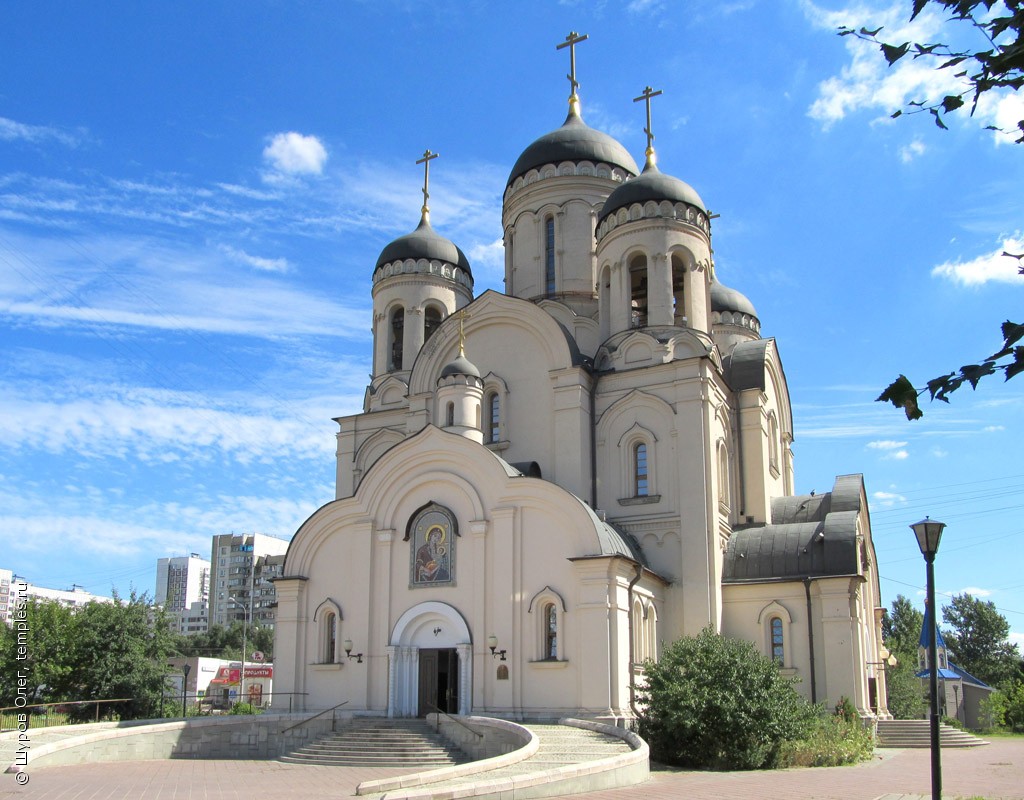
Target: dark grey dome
[651,185]
[424,243]
[575,141]
[725,299]
[460,366]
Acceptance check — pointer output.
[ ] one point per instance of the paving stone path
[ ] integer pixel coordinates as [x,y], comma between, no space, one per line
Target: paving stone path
[993,772]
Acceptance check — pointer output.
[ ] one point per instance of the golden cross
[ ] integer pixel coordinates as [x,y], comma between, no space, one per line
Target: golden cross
[425,161]
[648,93]
[571,41]
[462,315]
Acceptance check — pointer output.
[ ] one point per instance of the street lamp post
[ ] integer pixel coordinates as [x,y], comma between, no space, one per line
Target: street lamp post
[928,533]
[186,668]
[245,630]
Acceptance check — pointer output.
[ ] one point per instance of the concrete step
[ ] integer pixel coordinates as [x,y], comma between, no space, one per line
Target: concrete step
[916,733]
[373,742]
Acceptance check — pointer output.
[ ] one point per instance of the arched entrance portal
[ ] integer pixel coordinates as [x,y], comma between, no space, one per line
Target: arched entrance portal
[430,662]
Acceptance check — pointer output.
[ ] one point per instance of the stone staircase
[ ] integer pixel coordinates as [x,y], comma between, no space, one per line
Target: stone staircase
[561,765]
[917,733]
[373,742]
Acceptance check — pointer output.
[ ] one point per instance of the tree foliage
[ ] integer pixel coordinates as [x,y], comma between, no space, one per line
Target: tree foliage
[100,651]
[1005,708]
[978,641]
[717,702]
[226,643]
[901,627]
[996,63]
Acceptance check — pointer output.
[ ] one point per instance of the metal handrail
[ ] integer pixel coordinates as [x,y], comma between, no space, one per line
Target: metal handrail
[318,714]
[453,719]
[9,710]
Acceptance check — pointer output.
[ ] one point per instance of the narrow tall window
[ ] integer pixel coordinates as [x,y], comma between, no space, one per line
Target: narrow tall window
[778,645]
[431,322]
[549,255]
[550,632]
[331,638]
[678,278]
[493,418]
[640,470]
[638,300]
[397,334]
[450,415]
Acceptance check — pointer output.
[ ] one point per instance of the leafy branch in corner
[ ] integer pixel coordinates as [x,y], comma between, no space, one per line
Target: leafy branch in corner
[902,394]
[999,66]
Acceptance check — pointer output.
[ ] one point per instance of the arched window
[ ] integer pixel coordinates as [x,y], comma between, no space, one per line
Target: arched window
[550,632]
[449,415]
[328,619]
[431,322]
[493,430]
[549,255]
[641,487]
[330,638]
[638,292]
[651,625]
[639,633]
[773,443]
[778,641]
[678,275]
[397,335]
[723,475]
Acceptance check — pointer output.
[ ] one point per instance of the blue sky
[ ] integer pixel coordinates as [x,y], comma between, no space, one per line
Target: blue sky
[193,196]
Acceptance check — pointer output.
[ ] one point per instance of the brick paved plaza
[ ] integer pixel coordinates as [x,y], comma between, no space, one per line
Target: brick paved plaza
[994,771]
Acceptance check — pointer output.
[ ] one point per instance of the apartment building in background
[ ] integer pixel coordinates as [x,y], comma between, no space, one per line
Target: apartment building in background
[242,569]
[11,585]
[183,589]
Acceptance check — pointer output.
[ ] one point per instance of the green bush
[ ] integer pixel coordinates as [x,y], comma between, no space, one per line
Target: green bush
[832,741]
[245,708]
[717,702]
[1005,708]
[846,710]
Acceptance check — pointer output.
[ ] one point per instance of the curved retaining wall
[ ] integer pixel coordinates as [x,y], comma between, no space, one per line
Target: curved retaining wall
[260,736]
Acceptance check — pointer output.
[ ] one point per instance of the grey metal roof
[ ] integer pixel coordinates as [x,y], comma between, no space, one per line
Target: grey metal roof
[724,298]
[616,541]
[575,141]
[651,185]
[424,243]
[744,365]
[809,536]
[460,366]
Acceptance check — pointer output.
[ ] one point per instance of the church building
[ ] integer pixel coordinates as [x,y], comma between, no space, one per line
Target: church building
[548,485]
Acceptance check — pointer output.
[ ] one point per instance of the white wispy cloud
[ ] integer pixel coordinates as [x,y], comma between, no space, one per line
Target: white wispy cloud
[887,499]
[10,130]
[911,151]
[975,591]
[112,281]
[263,264]
[886,444]
[989,267]
[154,426]
[295,154]
[994,428]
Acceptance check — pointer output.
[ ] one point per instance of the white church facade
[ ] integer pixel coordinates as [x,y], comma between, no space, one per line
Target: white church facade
[547,485]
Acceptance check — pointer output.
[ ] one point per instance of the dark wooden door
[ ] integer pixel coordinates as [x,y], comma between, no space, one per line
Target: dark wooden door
[439,681]
[428,681]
